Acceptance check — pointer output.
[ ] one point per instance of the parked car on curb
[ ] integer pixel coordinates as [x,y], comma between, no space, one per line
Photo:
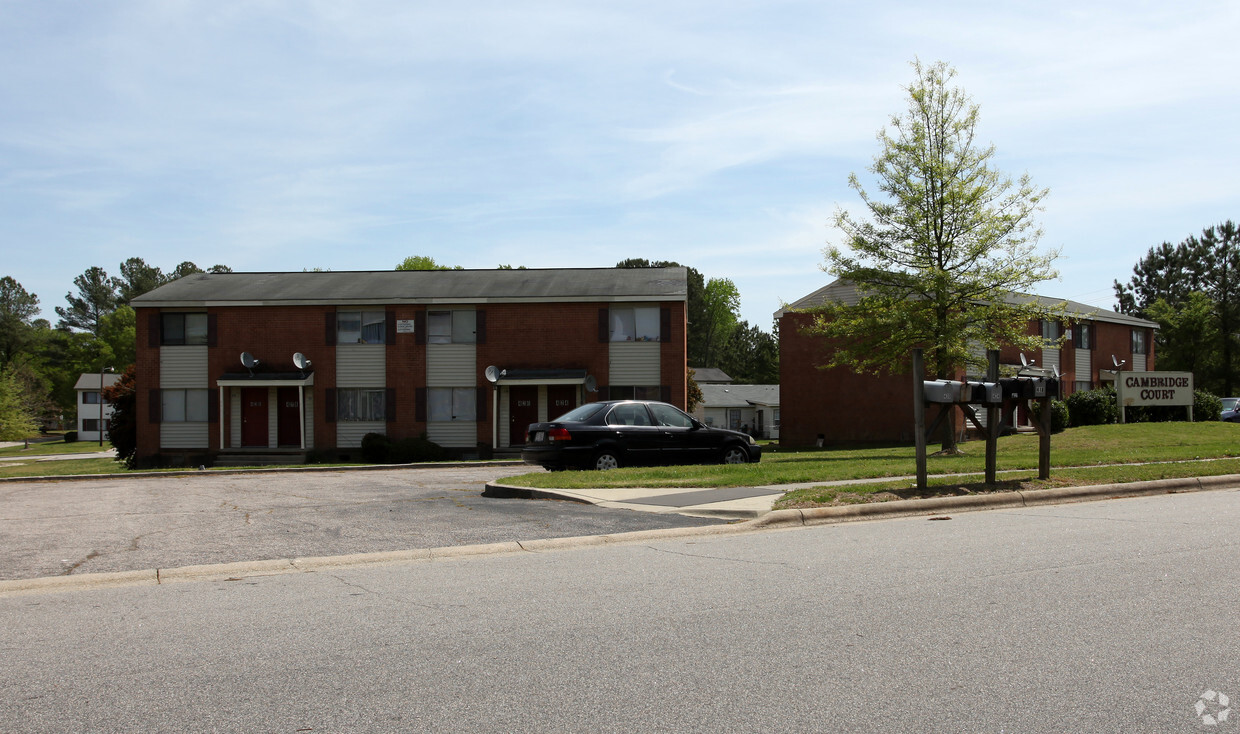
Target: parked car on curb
[1230,412]
[614,433]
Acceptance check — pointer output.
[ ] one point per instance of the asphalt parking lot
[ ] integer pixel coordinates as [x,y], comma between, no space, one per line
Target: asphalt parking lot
[57,528]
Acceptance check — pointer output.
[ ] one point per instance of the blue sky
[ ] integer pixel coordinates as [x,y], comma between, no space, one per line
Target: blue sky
[274,135]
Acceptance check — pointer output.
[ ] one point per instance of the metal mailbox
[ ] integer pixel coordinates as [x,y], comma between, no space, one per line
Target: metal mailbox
[988,393]
[1015,387]
[945,391]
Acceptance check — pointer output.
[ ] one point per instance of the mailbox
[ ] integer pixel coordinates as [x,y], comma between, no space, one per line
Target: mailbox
[988,393]
[1052,387]
[1039,386]
[1016,387]
[945,391]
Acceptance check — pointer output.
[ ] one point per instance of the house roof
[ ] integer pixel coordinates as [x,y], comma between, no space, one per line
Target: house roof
[421,286]
[739,396]
[90,381]
[848,293]
[709,375]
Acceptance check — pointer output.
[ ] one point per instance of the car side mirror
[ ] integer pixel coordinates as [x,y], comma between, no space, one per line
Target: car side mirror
[697,424]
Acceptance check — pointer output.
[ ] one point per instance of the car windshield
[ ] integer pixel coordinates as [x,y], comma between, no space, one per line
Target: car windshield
[580,413]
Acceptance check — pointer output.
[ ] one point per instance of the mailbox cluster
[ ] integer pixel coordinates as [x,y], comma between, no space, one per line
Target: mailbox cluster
[989,393]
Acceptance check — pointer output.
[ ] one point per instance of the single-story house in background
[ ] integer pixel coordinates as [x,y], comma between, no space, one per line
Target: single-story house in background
[289,363]
[91,408]
[753,409]
[710,376]
[842,405]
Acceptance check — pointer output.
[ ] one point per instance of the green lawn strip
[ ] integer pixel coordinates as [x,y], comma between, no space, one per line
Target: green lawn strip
[56,448]
[974,483]
[60,468]
[1114,444]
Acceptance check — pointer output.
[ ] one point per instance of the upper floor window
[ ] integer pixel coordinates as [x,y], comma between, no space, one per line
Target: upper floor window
[90,397]
[1083,336]
[1138,341]
[637,324]
[360,327]
[183,328]
[451,327]
[1050,332]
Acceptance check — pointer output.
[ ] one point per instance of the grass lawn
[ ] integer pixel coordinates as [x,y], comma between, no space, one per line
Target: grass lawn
[1116,445]
[56,447]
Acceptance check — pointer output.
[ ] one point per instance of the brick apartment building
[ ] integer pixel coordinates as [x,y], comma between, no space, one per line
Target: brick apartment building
[396,352]
[842,405]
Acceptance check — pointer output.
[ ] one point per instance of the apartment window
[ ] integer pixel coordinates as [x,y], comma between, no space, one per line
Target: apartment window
[451,404]
[1138,341]
[183,329]
[451,327]
[361,404]
[1083,336]
[185,406]
[90,397]
[634,392]
[1050,332]
[1082,386]
[360,327]
[92,424]
[639,324]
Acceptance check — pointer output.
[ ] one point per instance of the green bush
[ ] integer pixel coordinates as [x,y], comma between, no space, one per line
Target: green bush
[379,449]
[1206,407]
[1059,414]
[376,448]
[1092,407]
[70,436]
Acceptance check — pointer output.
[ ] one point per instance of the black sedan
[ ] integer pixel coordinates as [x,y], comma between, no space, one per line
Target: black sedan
[618,433]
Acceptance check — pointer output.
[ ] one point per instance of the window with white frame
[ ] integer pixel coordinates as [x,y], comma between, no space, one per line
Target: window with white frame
[183,329]
[451,404]
[360,327]
[361,404]
[185,406]
[636,324]
[451,327]
[1138,341]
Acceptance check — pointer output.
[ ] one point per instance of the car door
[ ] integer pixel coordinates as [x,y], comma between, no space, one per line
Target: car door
[684,442]
[630,426]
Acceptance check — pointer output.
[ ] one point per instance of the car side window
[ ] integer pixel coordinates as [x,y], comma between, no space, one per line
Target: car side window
[629,414]
[666,415]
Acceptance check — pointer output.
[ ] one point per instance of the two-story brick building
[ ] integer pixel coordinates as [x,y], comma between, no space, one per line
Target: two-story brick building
[332,356]
[842,405]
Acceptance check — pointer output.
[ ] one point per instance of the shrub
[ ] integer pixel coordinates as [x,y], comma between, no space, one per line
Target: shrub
[376,448]
[380,449]
[70,436]
[1206,407]
[1059,414]
[1092,407]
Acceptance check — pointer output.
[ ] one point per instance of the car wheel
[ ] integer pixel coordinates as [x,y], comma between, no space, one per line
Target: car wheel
[605,460]
[735,455]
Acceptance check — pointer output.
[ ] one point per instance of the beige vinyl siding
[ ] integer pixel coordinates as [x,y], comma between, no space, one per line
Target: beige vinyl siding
[234,412]
[183,367]
[453,434]
[361,365]
[451,365]
[1138,363]
[1050,358]
[634,363]
[1082,369]
[349,433]
[309,411]
[183,435]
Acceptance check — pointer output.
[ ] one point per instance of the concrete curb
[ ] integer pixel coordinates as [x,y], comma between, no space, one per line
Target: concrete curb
[287,469]
[778,519]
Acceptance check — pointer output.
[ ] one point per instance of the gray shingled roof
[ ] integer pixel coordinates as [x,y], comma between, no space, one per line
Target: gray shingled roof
[846,292]
[421,286]
[738,396]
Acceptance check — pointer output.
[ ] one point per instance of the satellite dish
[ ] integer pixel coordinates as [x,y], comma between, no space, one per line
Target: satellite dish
[1024,361]
[300,361]
[591,384]
[1118,362]
[248,361]
[492,374]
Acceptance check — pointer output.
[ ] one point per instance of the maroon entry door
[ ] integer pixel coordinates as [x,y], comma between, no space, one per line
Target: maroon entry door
[288,417]
[560,400]
[254,416]
[522,411]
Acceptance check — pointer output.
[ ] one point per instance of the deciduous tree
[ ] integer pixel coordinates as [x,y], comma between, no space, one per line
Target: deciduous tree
[17,311]
[946,249]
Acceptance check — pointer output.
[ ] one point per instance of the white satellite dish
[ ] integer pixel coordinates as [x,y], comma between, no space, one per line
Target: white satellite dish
[1118,362]
[248,361]
[300,361]
[1025,361]
[591,384]
[492,374]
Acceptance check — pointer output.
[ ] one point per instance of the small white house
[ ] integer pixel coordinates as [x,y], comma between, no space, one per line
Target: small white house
[91,409]
[750,408]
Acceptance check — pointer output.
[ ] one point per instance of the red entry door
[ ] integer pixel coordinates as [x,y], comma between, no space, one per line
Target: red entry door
[254,416]
[288,417]
[522,411]
[560,400]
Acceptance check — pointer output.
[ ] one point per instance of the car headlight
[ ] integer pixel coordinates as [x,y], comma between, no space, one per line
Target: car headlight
[752,441]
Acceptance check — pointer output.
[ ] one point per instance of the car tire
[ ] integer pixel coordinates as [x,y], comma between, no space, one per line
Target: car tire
[735,454]
[605,460]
